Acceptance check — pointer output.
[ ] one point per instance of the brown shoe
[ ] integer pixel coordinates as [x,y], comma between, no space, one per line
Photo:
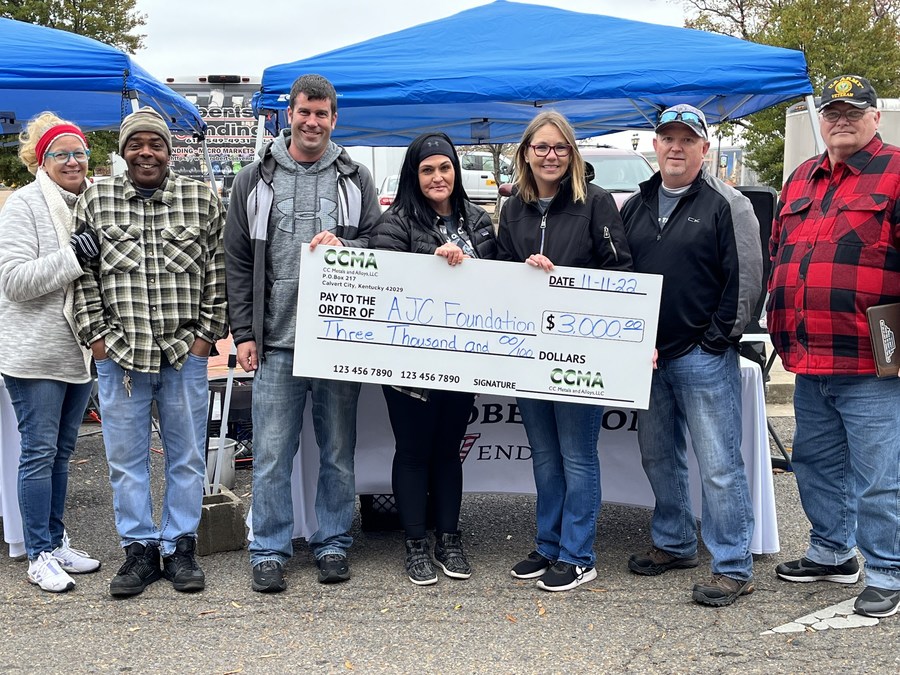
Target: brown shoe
[721,590]
[656,561]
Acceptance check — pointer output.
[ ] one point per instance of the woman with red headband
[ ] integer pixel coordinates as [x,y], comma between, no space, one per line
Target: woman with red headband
[45,369]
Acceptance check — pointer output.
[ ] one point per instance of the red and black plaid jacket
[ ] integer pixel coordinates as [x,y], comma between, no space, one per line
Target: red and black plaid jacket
[834,254]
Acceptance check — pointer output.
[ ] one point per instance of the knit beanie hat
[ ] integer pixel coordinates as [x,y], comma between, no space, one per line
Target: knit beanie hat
[144,119]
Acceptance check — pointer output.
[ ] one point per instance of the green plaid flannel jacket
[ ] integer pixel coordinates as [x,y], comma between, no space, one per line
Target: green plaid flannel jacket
[159,281]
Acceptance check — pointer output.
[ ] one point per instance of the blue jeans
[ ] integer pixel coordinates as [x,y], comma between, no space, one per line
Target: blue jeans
[182,399]
[700,393]
[278,402]
[563,439]
[49,413]
[847,461]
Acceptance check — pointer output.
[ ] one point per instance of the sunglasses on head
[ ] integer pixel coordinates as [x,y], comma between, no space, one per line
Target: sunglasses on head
[681,116]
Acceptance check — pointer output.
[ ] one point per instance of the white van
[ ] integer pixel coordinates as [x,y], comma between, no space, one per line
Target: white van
[478,175]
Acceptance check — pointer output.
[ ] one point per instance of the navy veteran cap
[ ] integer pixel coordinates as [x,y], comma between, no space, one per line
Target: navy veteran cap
[852,89]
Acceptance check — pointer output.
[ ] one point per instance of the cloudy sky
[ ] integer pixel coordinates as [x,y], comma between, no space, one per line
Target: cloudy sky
[246,36]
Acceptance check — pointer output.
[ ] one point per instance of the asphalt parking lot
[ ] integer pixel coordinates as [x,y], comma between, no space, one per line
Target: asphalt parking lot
[379,622]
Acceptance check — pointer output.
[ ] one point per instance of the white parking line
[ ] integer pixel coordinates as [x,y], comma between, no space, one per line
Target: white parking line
[837,616]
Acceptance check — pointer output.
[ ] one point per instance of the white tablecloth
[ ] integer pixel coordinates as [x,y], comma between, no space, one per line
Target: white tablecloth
[497,457]
[9,472]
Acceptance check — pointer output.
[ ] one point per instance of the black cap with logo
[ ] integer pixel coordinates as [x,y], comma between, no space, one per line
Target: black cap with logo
[852,89]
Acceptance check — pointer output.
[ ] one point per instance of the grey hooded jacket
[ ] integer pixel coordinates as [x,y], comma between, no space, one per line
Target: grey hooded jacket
[246,227]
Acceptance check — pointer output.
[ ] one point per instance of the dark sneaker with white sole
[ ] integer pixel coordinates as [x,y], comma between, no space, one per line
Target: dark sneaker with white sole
[333,568]
[721,590]
[805,570]
[450,557]
[656,561]
[877,602]
[419,565]
[563,576]
[268,577]
[532,567]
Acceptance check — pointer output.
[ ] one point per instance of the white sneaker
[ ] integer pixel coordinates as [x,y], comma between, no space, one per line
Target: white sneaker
[46,572]
[74,561]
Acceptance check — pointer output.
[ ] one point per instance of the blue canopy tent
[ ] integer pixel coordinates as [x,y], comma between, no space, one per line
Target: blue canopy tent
[605,74]
[80,79]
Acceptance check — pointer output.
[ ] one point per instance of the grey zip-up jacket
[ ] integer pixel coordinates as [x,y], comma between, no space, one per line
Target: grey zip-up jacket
[246,226]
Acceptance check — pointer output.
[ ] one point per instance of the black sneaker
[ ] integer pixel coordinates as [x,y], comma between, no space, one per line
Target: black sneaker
[419,566]
[141,569]
[805,570]
[531,568]
[563,576]
[333,568]
[877,602]
[449,555]
[268,577]
[721,590]
[181,567]
[656,561]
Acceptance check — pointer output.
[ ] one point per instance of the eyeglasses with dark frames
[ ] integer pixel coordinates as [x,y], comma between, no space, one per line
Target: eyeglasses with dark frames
[542,149]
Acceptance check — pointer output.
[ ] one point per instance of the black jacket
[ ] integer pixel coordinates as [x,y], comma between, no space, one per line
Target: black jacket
[415,233]
[576,235]
[710,257]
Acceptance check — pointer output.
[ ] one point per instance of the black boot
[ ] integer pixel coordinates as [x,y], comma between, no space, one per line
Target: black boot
[181,567]
[141,569]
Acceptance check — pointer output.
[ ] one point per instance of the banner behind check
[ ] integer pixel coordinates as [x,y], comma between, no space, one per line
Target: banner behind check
[577,335]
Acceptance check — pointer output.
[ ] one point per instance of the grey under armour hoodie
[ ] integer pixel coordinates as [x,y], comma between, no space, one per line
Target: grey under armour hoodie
[305,203]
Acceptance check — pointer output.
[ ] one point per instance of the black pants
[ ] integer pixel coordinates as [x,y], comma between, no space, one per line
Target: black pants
[428,435]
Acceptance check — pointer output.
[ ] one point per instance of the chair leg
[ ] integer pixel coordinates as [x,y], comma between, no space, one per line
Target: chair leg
[778,462]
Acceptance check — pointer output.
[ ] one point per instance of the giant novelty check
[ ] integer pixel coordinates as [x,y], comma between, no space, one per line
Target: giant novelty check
[577,335]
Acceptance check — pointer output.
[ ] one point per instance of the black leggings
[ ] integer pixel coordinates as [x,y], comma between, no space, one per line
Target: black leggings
[428,435]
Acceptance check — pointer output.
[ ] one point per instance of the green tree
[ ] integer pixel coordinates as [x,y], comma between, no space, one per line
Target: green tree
[837,36]
[111,21]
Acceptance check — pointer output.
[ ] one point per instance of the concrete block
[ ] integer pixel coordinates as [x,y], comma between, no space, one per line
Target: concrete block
[222,525]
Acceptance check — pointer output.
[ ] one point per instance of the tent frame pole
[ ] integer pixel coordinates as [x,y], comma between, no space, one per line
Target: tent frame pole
[813,123]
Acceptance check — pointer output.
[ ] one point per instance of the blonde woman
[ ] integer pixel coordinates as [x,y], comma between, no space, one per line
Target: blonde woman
[556,217]
[44,367]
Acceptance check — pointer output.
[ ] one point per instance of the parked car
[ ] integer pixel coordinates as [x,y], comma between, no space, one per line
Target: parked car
[388,192]
[616,170]
[478,175]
